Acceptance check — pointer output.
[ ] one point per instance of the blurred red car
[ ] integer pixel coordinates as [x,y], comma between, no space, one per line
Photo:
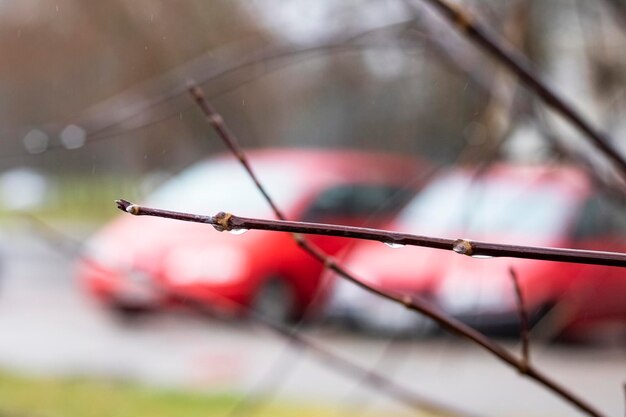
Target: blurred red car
[263,270]
[539,206]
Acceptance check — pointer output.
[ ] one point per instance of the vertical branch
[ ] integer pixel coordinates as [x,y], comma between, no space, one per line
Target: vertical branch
[502,112]
[611,185]
[619,12]
[467,26]
[523,315]
[217,122]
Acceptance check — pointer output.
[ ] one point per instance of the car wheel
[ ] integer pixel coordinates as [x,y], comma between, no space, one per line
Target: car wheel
[129,313]
[275,301]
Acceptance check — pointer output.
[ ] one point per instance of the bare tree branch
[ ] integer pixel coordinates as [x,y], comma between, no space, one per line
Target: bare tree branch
[231,142]
[469,27]
[223,221]
[619,12]
[609,184]
[229,222]
[200,70]
[217,122]
[70,247]
[523,315]
[502,110]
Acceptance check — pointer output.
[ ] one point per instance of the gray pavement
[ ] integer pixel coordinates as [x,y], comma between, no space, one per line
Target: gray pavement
[49,327]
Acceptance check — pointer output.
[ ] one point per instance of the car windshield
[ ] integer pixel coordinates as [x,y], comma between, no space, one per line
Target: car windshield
[221,185]
[459,206]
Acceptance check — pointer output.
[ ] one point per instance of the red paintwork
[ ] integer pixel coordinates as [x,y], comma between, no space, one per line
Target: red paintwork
[583,294]
[148,241]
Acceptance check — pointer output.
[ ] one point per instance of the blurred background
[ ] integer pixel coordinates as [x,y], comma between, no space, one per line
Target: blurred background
[94,107]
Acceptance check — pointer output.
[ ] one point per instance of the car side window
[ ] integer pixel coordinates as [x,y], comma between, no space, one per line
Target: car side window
[356,200]
[602,216]
[616,213]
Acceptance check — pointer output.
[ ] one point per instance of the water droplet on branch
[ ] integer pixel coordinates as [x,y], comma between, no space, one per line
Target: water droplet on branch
[482,256]
[237,231]
[394,245]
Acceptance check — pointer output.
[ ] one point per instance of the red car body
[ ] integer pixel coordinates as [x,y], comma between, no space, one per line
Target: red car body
[227,271]
[526,205]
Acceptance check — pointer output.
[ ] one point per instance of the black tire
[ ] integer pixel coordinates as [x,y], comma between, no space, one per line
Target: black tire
[275,300]
[129,313]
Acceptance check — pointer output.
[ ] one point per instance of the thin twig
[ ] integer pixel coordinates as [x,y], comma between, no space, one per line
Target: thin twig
[523,316]
[70,247]
[469,27]
[229,222]
[105,133]
[217,122]
[500,113]
[619,12]
[462,246]
[209,73]
[611,185]
[223,222]
[370,377]
[231,142]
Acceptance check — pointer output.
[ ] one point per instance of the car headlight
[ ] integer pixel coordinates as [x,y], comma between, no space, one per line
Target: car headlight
[464,295]
[214,265]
